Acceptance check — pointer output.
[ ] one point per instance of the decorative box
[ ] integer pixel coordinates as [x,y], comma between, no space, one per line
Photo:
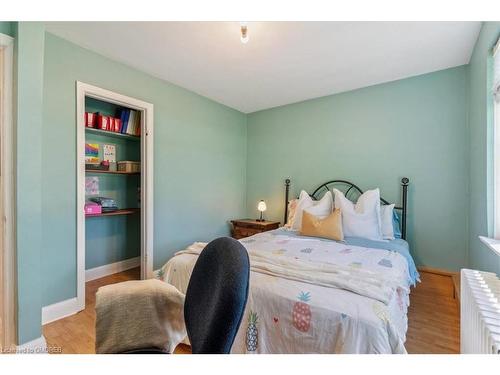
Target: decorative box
[92,208]
[129,166]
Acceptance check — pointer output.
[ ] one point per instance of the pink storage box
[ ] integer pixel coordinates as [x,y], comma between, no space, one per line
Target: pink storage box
[92,208]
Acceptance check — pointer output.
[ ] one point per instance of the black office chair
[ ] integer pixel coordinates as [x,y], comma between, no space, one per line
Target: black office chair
[215,299]
[216,296]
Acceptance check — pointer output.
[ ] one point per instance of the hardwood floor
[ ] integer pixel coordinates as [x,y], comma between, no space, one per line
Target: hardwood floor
[434,322]
[433,317]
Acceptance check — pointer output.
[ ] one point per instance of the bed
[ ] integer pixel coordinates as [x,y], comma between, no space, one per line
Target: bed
[313,295]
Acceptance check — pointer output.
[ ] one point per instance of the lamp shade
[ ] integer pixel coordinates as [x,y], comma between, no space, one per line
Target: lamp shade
[262,206]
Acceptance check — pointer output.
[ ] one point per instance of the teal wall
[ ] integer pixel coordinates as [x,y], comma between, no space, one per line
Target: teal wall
[373,136]
[7,28]
[29,52]
[111,239]
[199,158]
[480,119]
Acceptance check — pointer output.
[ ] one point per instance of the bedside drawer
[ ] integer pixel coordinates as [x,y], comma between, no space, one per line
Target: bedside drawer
[240,232]
[247,227]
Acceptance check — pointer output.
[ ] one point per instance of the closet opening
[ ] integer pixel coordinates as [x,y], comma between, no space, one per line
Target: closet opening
[115,189]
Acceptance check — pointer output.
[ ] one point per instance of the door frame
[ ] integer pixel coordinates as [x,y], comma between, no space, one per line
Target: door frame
[147,217]
[8,285]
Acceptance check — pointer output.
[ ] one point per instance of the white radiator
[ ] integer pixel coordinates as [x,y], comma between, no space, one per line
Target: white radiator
[479,312]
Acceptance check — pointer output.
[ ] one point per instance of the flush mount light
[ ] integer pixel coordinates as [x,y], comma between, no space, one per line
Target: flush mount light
[244,32]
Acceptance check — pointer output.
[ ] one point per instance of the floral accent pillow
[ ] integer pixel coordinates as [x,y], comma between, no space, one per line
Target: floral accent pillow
[292,206]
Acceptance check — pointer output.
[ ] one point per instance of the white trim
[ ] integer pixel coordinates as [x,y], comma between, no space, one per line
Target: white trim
[112,268]
[8,195]
[36,346]
[147,215]
[80,201]
[496,49]
[493,245]
[496,169]
[59,310]
[6,40]
[71,306]
[147,194]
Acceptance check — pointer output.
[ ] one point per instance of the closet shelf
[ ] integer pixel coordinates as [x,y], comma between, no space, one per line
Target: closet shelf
[90,171]
[125,211]
[113,134]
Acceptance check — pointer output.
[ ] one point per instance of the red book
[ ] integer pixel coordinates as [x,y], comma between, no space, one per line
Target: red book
[103,122]
[90,119]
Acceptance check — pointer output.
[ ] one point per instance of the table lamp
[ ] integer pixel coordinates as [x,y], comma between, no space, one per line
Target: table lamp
[261,207]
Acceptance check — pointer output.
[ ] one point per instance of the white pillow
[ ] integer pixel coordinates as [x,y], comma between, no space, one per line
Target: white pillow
[386,214]
[321,208]
[363,218]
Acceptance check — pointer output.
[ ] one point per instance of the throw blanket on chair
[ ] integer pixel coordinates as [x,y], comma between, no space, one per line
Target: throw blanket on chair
[137,315]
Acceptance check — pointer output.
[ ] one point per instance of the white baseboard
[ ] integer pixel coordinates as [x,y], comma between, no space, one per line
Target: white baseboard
[70,306]
[36,346]
[109,269]
[59,310]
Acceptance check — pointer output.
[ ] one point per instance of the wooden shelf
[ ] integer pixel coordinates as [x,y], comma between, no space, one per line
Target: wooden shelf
[113,134]
[110,172]
[125,211]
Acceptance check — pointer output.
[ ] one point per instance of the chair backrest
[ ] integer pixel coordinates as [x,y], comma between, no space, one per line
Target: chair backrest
[216,296]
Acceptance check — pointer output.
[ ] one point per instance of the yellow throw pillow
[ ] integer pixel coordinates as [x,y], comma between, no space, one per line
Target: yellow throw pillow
[329,227]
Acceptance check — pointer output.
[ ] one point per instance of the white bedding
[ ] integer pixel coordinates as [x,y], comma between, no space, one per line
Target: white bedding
[333,317]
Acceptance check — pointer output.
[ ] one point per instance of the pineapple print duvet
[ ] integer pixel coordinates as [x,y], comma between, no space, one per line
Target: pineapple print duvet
[290,313]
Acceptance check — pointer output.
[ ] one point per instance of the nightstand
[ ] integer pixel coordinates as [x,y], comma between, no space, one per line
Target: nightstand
[248,227]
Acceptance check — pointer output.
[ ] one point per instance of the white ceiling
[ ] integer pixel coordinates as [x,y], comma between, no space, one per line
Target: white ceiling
[284,62]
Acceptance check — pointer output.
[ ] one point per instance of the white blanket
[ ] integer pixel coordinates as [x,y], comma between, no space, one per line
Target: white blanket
[292,308]
[377,285]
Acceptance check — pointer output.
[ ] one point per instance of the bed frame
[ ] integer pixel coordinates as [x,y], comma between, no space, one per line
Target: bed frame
[348,187]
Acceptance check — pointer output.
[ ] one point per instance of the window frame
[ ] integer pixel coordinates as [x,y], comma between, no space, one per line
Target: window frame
[495,96]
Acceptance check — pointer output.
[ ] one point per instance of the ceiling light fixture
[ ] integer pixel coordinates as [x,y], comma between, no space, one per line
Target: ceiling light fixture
[244,33]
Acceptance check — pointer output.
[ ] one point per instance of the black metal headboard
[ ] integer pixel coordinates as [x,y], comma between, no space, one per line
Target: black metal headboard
[349,187]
